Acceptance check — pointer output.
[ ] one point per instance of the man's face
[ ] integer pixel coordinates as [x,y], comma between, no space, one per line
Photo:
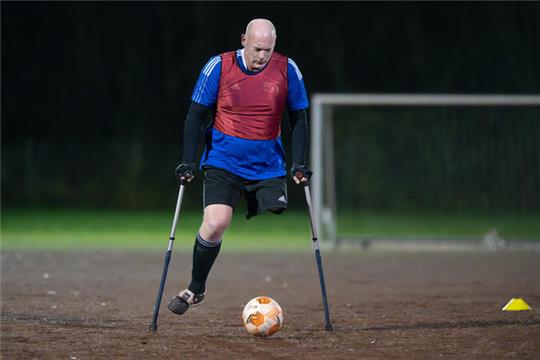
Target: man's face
[257,50]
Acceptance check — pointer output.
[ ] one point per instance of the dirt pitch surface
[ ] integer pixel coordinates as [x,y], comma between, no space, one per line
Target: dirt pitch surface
[384,305]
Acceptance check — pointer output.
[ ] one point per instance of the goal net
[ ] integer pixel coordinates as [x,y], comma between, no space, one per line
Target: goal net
[421,154]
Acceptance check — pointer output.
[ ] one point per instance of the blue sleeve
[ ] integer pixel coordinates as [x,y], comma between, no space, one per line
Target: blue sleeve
[207,86]
[297,97]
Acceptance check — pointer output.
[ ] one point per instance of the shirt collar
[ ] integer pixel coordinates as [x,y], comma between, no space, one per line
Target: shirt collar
[243,59]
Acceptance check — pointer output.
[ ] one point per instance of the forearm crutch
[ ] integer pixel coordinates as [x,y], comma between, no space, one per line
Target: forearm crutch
[315,238]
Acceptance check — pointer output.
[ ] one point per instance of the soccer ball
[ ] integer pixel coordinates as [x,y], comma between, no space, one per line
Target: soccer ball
[262,316]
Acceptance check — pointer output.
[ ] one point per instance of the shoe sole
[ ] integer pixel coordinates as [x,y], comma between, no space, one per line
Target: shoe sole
[197,304]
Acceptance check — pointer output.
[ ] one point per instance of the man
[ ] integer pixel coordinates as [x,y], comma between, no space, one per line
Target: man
[247,90]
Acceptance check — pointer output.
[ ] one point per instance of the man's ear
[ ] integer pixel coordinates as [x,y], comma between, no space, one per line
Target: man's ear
[243,40]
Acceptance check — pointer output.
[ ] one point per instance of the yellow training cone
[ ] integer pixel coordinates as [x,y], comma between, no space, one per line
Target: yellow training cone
[516,304]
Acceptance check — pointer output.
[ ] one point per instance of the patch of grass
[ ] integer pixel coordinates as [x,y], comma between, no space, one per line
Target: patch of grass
[433,225]
[87,229]
[98,229]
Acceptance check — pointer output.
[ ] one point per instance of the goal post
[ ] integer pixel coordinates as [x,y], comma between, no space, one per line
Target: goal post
[322,146]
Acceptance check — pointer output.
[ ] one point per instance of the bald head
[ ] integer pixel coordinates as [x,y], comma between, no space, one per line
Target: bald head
[261,28]
[258,42]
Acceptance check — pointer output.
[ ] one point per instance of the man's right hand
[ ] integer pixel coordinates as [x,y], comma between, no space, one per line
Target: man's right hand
[186,171]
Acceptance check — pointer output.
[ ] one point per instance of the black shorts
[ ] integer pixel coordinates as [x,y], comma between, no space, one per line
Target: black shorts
[223,187]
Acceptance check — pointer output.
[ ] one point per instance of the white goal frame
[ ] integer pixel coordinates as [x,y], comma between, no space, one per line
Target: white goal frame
[321,141]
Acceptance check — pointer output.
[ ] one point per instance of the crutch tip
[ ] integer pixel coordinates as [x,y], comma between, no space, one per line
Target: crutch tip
[152,327]
[328,327]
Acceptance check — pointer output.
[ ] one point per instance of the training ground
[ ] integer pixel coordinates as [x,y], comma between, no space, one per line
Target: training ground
[383,304]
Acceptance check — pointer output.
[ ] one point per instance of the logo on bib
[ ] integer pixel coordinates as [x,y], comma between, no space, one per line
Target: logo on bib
[271,87]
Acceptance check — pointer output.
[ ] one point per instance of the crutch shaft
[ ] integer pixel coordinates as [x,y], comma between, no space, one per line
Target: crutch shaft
[167,259]
[153,325]
[318,259]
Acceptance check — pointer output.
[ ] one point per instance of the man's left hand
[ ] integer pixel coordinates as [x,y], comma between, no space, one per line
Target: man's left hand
[301,173]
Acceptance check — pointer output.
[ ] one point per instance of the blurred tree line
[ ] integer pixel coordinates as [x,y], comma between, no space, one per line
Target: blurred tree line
[94,94]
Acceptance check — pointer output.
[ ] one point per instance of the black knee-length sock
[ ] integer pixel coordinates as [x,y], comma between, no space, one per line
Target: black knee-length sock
[204,255]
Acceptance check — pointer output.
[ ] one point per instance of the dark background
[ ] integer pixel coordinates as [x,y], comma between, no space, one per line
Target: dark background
[94,94]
